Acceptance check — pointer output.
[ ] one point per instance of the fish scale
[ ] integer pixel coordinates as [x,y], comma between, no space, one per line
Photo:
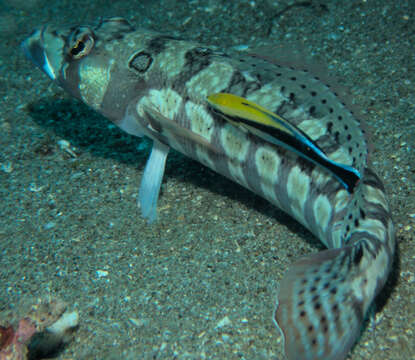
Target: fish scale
[158,86]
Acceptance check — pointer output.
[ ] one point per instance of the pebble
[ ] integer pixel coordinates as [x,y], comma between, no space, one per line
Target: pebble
[225,321]
[49,225]
[102,273]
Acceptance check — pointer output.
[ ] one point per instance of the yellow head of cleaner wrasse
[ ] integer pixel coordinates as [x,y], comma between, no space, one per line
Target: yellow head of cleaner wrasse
[277,130]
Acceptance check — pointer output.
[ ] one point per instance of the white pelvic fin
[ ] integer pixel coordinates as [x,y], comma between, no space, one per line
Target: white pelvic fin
[151,181]
[130,124]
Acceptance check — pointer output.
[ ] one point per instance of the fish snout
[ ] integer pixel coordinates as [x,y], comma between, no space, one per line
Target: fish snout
[34,49]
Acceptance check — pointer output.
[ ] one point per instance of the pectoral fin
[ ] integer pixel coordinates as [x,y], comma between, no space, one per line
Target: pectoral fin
[165,125]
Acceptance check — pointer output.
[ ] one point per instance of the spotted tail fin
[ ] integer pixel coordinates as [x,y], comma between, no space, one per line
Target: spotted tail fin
[319,312]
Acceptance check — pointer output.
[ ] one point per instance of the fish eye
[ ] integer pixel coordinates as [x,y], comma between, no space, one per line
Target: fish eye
[82,43]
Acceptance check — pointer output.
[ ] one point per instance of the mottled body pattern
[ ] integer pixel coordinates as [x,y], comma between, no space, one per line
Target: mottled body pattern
[154,85]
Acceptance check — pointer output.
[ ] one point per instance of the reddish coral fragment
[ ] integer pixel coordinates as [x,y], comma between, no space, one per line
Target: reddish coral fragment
[25,330]
[6,336]
[13,343]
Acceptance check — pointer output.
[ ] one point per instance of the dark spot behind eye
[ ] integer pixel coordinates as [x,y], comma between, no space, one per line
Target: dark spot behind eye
[140,62]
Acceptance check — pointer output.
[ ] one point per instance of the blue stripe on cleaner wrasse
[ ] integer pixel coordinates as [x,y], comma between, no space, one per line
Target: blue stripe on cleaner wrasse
[155,85]
[276,130]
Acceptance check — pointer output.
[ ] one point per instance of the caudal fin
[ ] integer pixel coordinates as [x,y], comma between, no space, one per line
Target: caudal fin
[318,310]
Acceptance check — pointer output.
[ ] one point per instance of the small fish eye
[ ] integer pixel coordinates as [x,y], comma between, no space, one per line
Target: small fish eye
[78,48]
[82,45]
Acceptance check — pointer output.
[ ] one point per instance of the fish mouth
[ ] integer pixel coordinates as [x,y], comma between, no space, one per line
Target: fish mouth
[35,51]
